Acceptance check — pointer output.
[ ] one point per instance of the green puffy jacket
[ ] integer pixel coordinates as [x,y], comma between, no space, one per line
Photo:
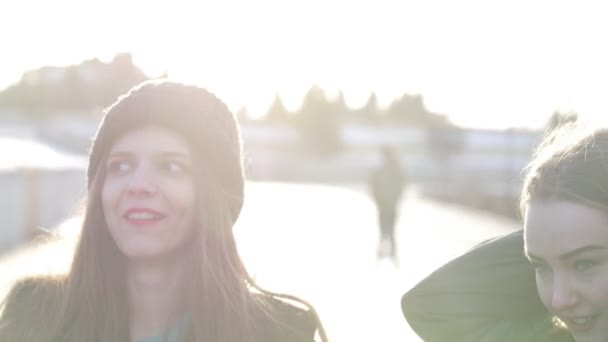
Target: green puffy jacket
[487,294]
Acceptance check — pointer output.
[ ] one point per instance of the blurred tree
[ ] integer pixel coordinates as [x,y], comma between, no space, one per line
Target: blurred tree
[93,78]
[121,74]
[558,119]
[8,98]
[77,88]
[318,123]
[74,94]
[370,111]
[33,96]
[412,110]
[340,107]
[277,111]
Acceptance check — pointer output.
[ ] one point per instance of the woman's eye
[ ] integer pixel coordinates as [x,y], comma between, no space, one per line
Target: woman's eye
[119,166]
[174,167]
[584,265]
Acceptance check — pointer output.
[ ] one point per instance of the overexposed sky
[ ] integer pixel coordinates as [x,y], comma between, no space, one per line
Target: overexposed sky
[483,63]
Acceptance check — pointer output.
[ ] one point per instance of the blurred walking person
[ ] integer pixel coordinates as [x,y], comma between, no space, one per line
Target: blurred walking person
[386,187]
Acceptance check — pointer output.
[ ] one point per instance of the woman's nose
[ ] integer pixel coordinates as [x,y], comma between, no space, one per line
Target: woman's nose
[142,182]
[564,294]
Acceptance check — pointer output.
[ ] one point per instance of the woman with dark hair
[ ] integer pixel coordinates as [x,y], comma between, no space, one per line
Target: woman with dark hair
[548,282]
[157,258]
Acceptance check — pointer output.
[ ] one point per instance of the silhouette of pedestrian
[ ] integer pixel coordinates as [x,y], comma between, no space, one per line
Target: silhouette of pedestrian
[386,186]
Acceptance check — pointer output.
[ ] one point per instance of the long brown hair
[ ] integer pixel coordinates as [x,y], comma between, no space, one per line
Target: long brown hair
[218,290]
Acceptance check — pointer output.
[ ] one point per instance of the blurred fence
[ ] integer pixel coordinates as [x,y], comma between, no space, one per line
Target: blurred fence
[480,168]
[275,151]
[41,187]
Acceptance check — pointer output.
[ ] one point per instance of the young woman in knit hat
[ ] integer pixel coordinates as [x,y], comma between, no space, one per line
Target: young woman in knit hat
[548,282]
[157,259]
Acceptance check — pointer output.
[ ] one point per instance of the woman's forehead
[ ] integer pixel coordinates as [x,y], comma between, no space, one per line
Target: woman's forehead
[555,227]
[150,139]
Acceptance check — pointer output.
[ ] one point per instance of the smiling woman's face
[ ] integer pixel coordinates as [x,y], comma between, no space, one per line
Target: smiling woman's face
[148,193]
[567,243]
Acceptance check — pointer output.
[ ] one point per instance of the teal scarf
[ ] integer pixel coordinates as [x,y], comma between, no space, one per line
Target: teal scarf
[173,334]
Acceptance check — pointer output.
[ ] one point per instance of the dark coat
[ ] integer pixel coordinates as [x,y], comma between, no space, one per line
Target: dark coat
[487,294]
[288,323]
[32,299]
[386,186]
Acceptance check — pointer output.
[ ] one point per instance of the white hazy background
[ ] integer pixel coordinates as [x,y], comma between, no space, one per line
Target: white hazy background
[485,64]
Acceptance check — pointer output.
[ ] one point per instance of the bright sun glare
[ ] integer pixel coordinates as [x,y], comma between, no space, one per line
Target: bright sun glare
[483,64]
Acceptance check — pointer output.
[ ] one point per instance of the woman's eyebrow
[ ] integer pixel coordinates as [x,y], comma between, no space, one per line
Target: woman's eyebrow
[174,154]
[120,154]
[161,153]
[570,254]
[581,250]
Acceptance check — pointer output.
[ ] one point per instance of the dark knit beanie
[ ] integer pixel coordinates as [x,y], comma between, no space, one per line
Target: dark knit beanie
[194,114]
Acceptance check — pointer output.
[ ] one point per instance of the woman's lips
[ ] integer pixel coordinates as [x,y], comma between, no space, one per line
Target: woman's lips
[580,323]
[143,216]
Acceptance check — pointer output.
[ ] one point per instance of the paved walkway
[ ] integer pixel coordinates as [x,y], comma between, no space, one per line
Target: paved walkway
[319,242]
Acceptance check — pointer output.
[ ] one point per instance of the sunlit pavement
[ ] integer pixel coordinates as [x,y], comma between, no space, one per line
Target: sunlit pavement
[319,242]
